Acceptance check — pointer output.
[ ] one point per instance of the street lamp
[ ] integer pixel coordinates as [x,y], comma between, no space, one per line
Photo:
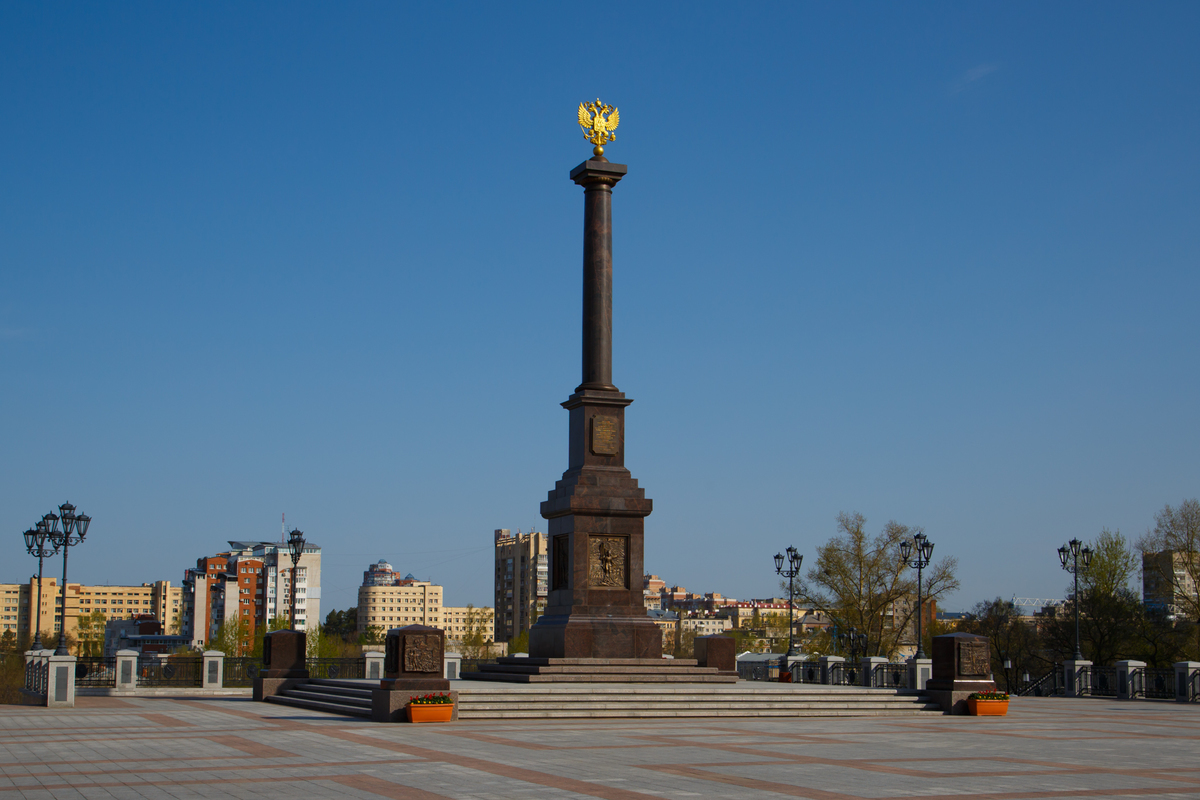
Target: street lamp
[296,548]
[794,559]
[74,529]
[36,539]
[917,554]
[1069,555]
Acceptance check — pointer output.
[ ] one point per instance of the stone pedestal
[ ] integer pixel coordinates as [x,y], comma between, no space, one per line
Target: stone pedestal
[412,667]
[920,670]
[828,665]
[61,687]
[285,663]
[126,667]
[374,665]
[868,665]
[717,651]
[213,669]
[1187,680]
[1130,679]
[596,512]
[1077,678]
[962,664]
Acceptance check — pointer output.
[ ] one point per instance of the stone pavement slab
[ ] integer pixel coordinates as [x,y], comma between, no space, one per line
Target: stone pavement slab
[192,747]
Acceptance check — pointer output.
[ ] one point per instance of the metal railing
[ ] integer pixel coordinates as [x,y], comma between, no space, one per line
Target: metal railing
[890,676]
[96,671]
[806,672]
[344,668]
[173,671]
[1157,684]
[1045,686]
[1103,682]
[37,674]
[844,674]
[241,672]
[747,670]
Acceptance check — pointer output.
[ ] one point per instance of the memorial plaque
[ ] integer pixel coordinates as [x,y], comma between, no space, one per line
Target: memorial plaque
[423,653]
[974,658]
[605,441]
[606,561]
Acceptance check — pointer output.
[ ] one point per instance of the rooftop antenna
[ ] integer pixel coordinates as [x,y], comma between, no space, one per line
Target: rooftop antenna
[282,525]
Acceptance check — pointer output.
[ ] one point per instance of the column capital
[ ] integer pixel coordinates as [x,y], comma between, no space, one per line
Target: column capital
[598,170]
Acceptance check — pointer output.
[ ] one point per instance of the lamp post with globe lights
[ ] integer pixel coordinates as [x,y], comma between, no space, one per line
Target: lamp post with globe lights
[36,539]
[917,554]
[296,548]
[74,529]
[1069,554]
[794,560]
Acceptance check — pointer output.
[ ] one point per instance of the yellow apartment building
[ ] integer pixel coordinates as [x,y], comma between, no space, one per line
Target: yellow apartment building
[158,599]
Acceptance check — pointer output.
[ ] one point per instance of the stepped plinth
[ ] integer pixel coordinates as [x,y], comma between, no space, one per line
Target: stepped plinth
[598,670]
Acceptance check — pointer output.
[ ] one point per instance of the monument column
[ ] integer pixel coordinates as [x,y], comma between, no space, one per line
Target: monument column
[596,512]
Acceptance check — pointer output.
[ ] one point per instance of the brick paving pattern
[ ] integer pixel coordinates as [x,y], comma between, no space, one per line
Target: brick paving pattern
[233,747]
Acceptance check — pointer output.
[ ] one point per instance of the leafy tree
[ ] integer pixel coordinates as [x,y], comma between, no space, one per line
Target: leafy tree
[685,641]
[373,635]
[861,582]
[519,643]
[90,633]
[1012,637]
[8,643]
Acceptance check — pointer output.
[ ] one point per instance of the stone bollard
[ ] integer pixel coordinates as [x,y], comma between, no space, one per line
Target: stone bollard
[1077,678]
[214,669]
[1187,676]
[414,665]
[868,665]
[126,668]
[828,665]
[920,670]
[1130,679]
[962,664]
[285,663]
[61,689]
[374,668]
[451,666]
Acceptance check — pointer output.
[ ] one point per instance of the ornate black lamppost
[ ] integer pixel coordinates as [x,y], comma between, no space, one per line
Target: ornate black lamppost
[74,528]
[296,548]
[36,539]
[917,554]
[794,559]
[1069,555]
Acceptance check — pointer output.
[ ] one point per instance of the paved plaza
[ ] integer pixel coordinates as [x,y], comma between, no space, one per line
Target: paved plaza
[233,747]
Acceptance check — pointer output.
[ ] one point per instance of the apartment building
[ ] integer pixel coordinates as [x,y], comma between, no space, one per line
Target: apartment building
[1168,577]
[522,581]
[409,601]
[158,599]
[251,583]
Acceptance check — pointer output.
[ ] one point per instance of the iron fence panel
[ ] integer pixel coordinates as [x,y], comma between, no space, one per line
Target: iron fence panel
[241,672]
[333,668]
[96,671]
[1159,684]
[845,675]
[1045,686]
[889,676]
[1103,682]
[172,671]
[809,671]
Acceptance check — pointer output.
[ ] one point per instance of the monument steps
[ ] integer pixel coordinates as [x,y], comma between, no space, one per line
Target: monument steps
[350,698]
[598,670]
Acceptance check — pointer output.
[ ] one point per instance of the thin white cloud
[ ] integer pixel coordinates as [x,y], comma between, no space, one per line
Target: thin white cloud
[972,75]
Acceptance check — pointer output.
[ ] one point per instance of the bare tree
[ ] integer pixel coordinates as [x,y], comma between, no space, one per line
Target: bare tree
[862,582]
[1171,554]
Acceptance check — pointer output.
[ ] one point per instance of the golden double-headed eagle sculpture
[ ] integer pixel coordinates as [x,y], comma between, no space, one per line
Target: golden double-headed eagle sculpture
[598,122]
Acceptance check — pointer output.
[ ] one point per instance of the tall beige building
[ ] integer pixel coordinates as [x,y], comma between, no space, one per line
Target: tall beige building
[522,581]
[1168,581]
[158,599]
[413,602]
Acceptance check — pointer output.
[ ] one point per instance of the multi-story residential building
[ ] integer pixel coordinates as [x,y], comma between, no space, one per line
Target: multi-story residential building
[414,602]
[158,599]
[652,589]
[522,581]
[251,583]
[381,574]
[705,626]
[1168,581]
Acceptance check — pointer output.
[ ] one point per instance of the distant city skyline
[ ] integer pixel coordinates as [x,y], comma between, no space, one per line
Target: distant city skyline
[935,265]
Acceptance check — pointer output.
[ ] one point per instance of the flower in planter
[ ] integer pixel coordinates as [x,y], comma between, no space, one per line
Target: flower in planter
[441,698]
[987,696]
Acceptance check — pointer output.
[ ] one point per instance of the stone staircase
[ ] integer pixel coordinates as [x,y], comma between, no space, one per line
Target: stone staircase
[572,700]
[646,701]
[351,698]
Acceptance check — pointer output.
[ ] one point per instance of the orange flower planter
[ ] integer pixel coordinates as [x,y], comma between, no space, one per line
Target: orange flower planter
[987,708]
[438,712]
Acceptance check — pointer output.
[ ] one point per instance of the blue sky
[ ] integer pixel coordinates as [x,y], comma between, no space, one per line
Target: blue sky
[931,263]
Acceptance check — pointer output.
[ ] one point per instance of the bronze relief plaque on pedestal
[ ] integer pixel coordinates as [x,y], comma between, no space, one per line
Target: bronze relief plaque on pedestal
[606,440]
[974,658]
[423,653]
[607,558]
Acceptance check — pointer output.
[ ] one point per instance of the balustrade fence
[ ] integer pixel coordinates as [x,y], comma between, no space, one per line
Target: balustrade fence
[889,676]
[95,671]
[1126,681]
[333,668]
